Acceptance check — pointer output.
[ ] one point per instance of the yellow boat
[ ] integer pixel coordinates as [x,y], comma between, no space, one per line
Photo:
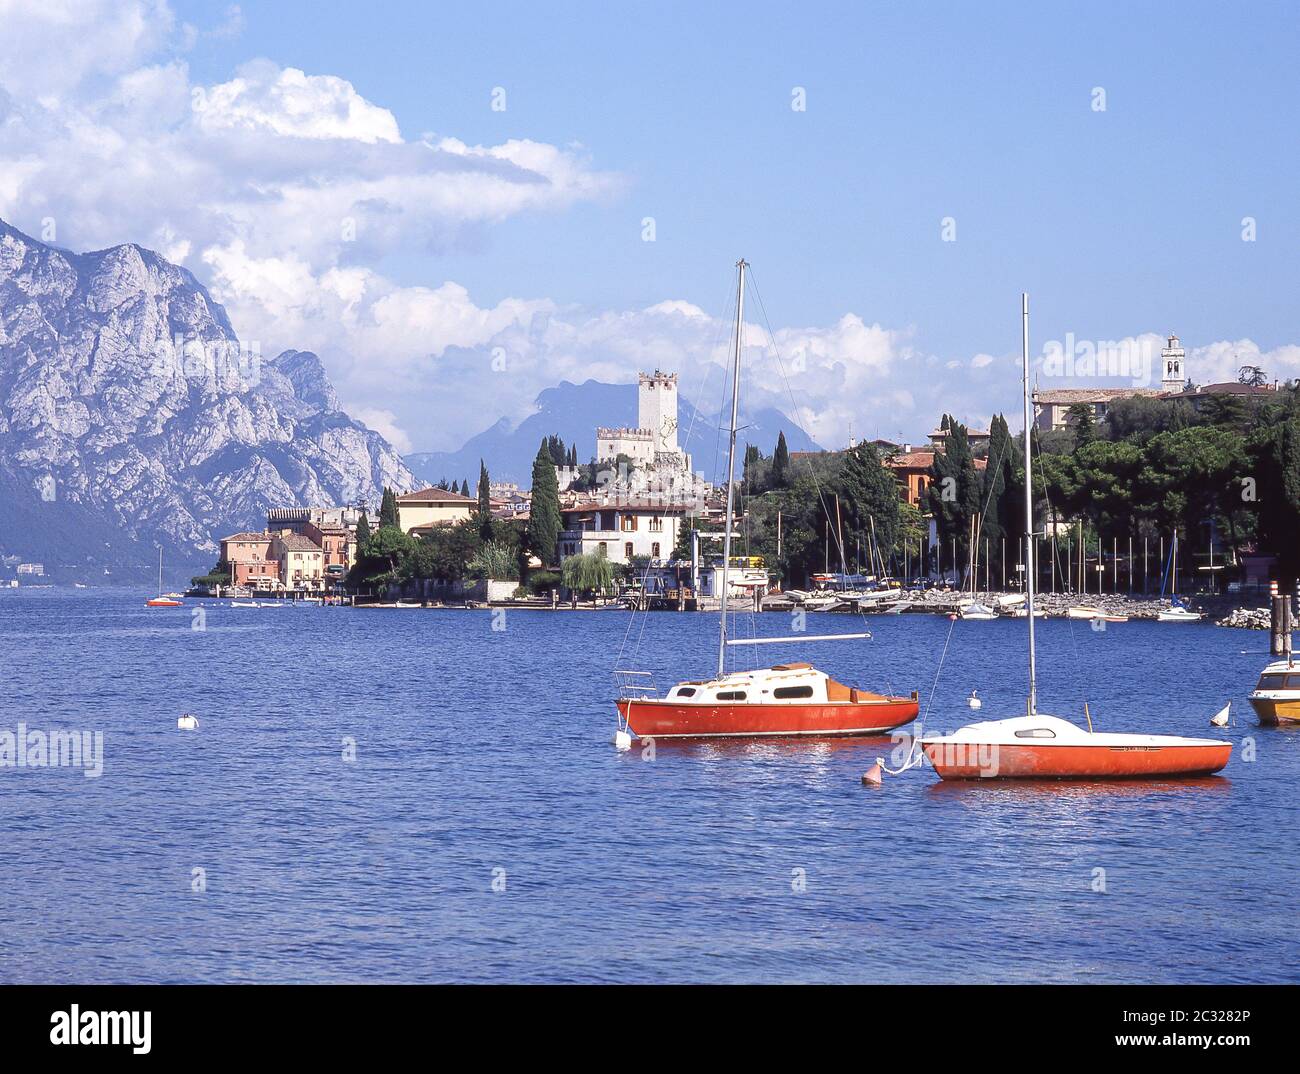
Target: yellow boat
[1276,698]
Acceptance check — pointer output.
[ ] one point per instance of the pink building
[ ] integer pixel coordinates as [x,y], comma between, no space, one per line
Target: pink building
[250,558]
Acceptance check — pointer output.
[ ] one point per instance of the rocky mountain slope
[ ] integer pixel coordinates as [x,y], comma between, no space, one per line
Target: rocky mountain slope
[131,416]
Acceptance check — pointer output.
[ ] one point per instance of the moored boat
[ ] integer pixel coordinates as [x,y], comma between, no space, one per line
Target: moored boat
[163,600]
[785,699]
[1038,746]
[1276,697]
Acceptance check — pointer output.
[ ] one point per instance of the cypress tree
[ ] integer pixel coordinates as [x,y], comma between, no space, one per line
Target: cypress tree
[388,510]
[780,463]
[544,523]
[484,501]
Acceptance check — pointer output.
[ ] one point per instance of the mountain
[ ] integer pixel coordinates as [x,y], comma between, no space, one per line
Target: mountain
[574,410]
[131,417]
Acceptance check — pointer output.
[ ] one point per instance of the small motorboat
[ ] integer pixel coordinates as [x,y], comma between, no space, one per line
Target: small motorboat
[819,603]
[1095,614]
[1178,613]
[243,604]
[975,610]
[1038,746]
[1276,697]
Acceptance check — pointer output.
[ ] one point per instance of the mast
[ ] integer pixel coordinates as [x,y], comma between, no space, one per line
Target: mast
[731,467]
[1029,503]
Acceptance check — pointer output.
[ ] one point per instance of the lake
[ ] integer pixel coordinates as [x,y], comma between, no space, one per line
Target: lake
[393,795]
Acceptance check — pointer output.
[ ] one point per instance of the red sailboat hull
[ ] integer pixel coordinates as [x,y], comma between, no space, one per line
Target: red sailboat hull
[968,760]
[672,719]
[163,602]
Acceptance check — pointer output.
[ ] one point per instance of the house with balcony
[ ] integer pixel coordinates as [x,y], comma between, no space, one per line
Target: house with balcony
[625,531]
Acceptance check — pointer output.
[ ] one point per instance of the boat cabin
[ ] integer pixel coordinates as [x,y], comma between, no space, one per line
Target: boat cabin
[782,684]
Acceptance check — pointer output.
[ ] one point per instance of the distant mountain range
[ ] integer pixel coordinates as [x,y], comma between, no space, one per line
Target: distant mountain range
[574,410]
[130,418]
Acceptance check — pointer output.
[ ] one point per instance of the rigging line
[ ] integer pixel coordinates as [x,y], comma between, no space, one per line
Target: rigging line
[776,351]
[1074,640]
[918,754]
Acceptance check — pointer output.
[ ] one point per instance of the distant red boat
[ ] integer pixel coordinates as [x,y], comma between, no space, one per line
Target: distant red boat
[160,601]
[788,699]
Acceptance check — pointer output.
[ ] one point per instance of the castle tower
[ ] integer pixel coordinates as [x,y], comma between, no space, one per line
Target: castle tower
[1171,358]
[657,408]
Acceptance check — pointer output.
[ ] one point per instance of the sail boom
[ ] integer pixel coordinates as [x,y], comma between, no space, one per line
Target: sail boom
[797,637]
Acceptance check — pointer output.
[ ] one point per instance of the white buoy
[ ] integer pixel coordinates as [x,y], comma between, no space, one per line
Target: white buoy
[973,701]
[622,740]
[188,722]
[1220,718]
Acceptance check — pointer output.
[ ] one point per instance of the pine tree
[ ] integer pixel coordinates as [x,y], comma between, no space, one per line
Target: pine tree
[464,487]
[780,463]
[954,492]
[388,515]
[544,523]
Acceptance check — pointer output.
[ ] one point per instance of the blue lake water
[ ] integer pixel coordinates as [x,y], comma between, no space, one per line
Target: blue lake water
[483,755]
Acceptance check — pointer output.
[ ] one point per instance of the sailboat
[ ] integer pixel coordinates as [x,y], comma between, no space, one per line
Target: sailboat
[1038,746]
[161,601]
[784,699]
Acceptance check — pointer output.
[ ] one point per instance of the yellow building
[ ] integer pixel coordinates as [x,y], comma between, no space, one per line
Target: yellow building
[433,507]
[302,563]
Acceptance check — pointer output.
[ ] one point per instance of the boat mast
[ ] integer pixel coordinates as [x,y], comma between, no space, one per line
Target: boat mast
[731,466]
[1029,502]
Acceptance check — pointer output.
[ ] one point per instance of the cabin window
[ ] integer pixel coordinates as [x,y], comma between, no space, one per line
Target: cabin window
[1270,682]
[686,691]
[1292,682]
[731,695]
[785,693]
[1036,732]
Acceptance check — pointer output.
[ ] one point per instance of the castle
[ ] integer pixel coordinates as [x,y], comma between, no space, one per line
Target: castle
[658,461]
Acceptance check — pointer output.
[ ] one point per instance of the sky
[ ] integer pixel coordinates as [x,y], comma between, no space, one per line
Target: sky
[457,206]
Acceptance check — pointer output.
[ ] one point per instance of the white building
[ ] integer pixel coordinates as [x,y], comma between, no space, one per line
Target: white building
[654,441]
[624,530]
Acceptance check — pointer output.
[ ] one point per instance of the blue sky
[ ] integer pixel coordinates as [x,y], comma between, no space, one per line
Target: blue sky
[1122,223]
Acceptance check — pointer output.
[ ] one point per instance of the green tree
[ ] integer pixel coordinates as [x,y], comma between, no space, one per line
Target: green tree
[1081,419]
[363,534]
[953,495]
[588,572]
[544,522]
[780,474]
[484,499]
[388,510]
[869,502]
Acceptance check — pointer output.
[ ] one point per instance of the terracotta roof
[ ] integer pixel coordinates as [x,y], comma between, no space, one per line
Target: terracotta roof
[1230,387]
[435,496]
[296,542]
[913,460]
[246,536]
[1070,396]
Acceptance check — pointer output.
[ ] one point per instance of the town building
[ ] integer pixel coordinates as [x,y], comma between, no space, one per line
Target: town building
[249,559]
[31,570]
[976,438]
[659,467]
[301,561]
[625,531]
[418,512]
[912,469]
[1052,407]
